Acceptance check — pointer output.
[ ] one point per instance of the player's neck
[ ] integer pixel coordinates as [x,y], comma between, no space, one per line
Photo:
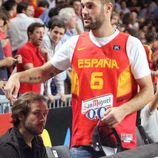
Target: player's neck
[104,31]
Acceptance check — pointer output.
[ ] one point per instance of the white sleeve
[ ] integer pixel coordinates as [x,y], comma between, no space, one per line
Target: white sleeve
[145,114]
[137,57]
[63,56]
[60,86]
[49,86]
[149,120]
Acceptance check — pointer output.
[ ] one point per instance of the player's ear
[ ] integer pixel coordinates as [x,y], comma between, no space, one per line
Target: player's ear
[108,7]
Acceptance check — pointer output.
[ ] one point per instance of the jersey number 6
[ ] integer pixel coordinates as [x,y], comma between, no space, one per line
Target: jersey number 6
[96,80]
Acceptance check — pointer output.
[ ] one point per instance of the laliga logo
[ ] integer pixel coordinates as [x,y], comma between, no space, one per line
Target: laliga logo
[96,113]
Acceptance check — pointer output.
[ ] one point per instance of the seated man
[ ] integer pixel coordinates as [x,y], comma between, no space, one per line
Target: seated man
[29,114]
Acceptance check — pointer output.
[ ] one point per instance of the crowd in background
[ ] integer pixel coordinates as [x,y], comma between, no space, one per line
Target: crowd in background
[138,18]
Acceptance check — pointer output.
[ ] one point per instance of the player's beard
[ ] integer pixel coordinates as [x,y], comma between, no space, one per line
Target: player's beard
[93,25]
[97,23]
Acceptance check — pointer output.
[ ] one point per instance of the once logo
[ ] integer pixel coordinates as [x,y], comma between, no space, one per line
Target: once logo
[97,113]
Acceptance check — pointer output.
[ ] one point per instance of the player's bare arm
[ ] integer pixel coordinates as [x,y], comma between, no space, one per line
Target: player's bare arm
[115,115]
[31,76]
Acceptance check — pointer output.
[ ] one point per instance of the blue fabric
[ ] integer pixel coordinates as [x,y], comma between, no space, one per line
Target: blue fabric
[67,137]
[67,35]
[44,17]
[3,71]
[53,87]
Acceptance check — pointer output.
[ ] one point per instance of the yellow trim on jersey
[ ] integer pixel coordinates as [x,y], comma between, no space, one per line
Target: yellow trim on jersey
[75,83]
[125,82]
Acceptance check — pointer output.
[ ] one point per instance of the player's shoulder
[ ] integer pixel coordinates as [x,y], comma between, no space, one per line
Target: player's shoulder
[134,40]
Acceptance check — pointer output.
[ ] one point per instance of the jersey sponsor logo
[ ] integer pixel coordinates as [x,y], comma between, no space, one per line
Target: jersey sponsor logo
[98,63]
[126,137]
[116,47]
[81,48]
[95,108]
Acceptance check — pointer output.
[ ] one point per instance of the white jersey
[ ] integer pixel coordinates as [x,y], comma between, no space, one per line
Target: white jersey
[149,120]
[135,51]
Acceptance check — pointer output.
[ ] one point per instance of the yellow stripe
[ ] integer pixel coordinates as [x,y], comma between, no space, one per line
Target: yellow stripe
[46,138]
[75,83]
[124,82]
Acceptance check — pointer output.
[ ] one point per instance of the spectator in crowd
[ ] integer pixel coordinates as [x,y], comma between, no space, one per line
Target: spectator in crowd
[42,5]
[149,119]
[11,7]
[6,60]
[19,25]
[5,22]
[68,15]
[117,7]
[134,4]
[52,39]
[45,8]
[29,114]
[76,4]
[143,13]
[142,36]
[30,11]
[31,55]
[134,20]
[5,63]
[152,43]
[98,76]
[51,12]
[52,42]
[124,9]
[115,19]
[5,39]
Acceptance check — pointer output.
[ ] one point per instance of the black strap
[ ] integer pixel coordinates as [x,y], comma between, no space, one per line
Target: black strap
[145,137]
[138,121]
[119,145]
[141,130]
[97,140]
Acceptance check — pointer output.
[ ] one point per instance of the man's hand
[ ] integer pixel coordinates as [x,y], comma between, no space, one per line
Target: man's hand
[51,97]
[18,59]
[45,53]
[8,62]
[12,87]
[62,97]
[2,84]
[113,116]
